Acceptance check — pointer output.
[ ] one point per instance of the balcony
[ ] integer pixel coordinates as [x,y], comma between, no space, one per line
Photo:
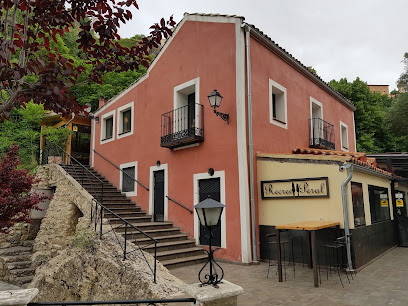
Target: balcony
[321,134]
[182,126]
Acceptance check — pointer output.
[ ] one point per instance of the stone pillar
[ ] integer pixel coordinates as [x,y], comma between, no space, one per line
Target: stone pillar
[19,297]
[225,295]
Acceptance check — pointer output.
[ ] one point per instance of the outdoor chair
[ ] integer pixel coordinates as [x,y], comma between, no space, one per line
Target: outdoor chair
[334,254]
[287,241]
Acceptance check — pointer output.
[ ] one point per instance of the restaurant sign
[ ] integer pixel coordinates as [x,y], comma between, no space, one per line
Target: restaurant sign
[317,187]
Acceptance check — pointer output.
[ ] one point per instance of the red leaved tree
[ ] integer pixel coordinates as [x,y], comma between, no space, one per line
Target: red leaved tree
[16,198]
[28,26]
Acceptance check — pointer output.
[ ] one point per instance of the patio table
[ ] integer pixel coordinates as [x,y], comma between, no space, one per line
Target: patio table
[312,227]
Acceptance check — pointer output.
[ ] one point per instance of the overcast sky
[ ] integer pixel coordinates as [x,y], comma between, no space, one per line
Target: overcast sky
[346,38]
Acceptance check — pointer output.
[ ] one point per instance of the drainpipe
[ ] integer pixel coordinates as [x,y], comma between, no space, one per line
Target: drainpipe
[250,141]
[73,116]
[349,168]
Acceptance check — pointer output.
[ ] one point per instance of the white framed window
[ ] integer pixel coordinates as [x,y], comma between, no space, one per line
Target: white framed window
[203,176]
[278,109]
[108,127]
[125,122]
[128,175]
[186,106]
[344,136]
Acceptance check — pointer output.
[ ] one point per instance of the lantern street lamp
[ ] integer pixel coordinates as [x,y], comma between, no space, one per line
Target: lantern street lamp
[215,101]
[209,213]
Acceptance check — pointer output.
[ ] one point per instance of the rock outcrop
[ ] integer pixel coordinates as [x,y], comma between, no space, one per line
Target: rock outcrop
[71,266]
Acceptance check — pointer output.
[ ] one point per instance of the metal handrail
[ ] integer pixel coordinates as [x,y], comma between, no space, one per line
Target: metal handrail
[94,217]
[179,204]
[71,158]
[148,302]
[120,170]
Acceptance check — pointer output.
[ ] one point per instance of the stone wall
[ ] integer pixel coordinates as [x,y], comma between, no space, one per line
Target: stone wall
[68,271]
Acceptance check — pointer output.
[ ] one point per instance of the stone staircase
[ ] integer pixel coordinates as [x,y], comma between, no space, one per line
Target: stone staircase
[16,263]
[174,248]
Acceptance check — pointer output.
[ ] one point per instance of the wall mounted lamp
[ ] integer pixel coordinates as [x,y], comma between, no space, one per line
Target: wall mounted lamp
[215,101]
[158,163]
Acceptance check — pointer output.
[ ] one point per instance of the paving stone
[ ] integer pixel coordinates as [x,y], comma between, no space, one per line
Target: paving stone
[381,283]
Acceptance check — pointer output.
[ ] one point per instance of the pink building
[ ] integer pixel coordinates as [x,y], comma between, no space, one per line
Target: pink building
[163,130]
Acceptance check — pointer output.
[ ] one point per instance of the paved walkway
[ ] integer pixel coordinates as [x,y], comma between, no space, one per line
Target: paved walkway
[384,282]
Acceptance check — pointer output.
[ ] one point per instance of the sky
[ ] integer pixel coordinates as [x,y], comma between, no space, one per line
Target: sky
[358,38]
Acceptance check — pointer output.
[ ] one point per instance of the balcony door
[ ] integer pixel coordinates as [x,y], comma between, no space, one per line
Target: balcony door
[316,122]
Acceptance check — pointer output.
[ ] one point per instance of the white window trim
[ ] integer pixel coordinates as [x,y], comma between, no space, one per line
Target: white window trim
[342,124]
[202,176]
[127,165]
[151,189]
[102,134]
[272,83]
[314,101]
[119,121]
[196,83]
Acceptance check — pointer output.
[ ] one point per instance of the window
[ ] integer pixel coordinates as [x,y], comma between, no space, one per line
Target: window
[128,175]
[125,120]
[128,184]
[358,204]
[277,104]
[344,136]
[108,127]
[379,203]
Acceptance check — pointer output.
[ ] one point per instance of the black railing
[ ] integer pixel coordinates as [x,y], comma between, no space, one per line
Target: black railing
[180,204]
[321,134]
[182,126]
[129,302]
[53,153]
[98,212]
[123,172]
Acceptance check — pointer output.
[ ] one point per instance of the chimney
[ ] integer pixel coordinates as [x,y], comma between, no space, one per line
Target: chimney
[101,101]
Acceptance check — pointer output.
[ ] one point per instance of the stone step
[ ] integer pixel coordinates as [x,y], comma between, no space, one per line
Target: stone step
[126,214]
[124,210]
[19,265]
[179,253]
[22,280]
[117,201]
[27,243]
[22,272]
[17,257]
[161,239]
[131,205]
[171,245]
[146,226]
[15,250]
[133,234]
[131,220]
[184,261]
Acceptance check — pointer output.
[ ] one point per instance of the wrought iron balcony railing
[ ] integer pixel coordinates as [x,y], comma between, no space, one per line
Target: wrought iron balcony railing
[321,134]
[182,126]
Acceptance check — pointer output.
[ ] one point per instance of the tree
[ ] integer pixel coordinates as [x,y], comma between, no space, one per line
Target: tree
[16,198]
[403,79]
[397,116]
[23,129]
[31,68]
[372,133]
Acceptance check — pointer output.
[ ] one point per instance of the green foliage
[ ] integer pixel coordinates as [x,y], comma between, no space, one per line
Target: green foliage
[372,132]
[113,84]
[56,136]
[403,79]
[23,128]
[84,239]
[397,116]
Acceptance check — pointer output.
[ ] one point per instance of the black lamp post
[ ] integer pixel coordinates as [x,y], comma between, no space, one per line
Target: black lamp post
[215,101]
[209,213]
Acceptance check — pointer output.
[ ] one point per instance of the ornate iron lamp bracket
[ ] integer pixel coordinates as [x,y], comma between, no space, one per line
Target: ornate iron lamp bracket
[223,116]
